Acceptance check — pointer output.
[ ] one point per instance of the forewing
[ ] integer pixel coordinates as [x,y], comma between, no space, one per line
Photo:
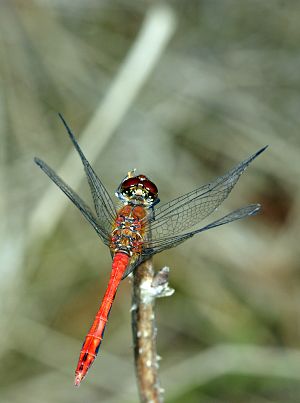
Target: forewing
[82,206]
[104,206]
[154,246]
[186,211]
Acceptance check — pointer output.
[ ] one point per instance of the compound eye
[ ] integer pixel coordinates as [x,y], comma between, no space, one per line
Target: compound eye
[128,185]
[150,187]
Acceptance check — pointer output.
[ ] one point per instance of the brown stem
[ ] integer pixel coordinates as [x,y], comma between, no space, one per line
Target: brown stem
[144,335]
[146,287]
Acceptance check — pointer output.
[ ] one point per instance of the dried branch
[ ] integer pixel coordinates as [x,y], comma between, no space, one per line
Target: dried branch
[146,287]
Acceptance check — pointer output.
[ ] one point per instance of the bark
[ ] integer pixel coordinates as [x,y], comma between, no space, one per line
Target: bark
[147,286]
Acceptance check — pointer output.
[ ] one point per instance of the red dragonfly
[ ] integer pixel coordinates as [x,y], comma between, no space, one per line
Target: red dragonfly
[126,231]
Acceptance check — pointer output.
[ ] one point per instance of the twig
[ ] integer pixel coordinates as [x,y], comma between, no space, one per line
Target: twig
[146,287]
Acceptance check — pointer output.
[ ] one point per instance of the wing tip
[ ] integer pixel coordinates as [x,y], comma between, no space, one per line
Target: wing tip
[60,115]
[254,209]
[38,161]
[70,133]
[260,151]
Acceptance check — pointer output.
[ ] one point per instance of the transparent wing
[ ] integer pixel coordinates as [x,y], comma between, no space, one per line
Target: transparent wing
[104,206]
[133,265]
[186,211]
[154,246]
[82,206]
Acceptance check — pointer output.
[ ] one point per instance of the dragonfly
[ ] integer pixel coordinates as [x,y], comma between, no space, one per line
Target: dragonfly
[139,229]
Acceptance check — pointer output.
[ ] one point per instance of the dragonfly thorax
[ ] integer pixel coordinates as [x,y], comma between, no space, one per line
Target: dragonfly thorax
[138,190]
[128,231]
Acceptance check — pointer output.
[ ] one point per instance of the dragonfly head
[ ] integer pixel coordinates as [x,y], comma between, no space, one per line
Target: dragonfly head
[138,190]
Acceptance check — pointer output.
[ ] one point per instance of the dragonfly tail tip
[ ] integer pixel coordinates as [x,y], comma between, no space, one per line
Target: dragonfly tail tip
[78,379]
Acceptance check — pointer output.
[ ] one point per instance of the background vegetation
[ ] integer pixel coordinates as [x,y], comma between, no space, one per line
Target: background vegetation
[182,91]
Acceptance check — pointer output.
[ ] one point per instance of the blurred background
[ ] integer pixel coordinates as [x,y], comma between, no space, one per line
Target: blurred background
[182,91]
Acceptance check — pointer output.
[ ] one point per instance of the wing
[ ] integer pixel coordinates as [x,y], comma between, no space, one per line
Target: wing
[154,246]
[186,211]
[104,206]
[133,265]
[85,210]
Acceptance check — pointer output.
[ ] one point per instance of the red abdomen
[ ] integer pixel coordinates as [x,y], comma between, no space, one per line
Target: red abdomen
[94,337]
